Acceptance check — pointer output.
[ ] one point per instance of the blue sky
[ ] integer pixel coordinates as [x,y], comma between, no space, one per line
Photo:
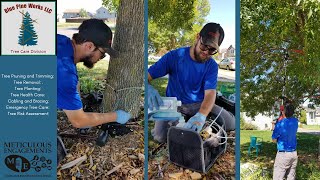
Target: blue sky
[223,12]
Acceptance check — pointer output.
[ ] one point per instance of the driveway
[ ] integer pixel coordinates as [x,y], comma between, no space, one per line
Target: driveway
[67,31]
[308,131]
[226,76]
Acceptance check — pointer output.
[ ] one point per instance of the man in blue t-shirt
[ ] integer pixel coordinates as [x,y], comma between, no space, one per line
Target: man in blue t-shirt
[89,45]
[192,79]
[285,135]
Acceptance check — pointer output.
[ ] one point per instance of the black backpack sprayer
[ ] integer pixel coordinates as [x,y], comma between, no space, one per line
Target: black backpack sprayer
[188,148]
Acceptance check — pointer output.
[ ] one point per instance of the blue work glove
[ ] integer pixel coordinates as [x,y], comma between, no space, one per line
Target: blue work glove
[122,116]
[154,99]
[196,122]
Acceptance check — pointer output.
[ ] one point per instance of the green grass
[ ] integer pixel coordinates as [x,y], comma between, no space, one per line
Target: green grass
[307,148]
[76,25]
[151,61]
[92,80]
[69,25]
[311,127]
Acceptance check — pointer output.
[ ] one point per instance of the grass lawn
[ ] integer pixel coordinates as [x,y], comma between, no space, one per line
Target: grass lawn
[308,164]
[69,25]
[151,61]
[99,69]
[92,80]
[311,127]
[76,25]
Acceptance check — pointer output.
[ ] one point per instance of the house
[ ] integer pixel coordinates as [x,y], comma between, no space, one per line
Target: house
[313,114]
[91,15]
[103,13]
[59,18]
[71,13]
[231,51]
[262,121]
[222,54]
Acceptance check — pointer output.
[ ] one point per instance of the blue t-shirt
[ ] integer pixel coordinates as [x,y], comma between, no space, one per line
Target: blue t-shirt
[285,132]
[188,79]
[68,97]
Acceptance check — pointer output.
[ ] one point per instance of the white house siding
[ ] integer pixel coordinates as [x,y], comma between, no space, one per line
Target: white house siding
[103,13]
[263,122]
[70,15]
[313,117]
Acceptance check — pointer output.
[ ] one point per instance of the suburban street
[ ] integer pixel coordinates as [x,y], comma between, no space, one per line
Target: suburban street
[226,75]
[308,131]
[67,31]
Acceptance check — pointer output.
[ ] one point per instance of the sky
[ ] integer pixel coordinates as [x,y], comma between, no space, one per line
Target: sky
[89,5]
[223,12]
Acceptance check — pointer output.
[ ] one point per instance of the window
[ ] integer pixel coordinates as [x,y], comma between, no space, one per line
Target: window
[311,115]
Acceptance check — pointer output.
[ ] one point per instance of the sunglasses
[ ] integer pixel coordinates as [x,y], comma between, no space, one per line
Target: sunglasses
[211,50]
[103,54]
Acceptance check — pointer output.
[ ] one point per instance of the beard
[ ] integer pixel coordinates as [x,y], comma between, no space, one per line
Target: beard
[198,57]
[87,61]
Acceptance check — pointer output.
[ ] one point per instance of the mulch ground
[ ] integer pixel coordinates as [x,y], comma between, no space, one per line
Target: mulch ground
[121,158]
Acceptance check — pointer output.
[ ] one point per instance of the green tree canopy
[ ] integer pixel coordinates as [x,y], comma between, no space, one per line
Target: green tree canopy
[303,116]
[280,48]
[111,5]
[171,23]
[83,13]
[174,23]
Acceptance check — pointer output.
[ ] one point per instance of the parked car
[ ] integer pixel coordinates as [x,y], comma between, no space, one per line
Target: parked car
[228,63]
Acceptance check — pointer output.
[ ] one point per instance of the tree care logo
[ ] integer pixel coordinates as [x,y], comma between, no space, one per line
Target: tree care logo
[28,28]
[27,36]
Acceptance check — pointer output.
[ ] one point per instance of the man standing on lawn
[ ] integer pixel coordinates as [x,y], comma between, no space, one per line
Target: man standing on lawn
[285,135]
[89,45]
[192,79]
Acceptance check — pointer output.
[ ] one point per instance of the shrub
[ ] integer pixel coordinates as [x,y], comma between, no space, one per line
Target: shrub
[247,126]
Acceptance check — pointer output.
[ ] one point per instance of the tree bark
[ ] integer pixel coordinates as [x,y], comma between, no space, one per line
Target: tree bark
[125,73]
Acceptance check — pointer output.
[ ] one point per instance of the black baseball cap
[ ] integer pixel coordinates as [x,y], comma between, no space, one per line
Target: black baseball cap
[97,32]
[212,33]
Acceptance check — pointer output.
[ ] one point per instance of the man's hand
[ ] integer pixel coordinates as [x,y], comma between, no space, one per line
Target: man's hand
[122,117]
[154,99]
[196,122]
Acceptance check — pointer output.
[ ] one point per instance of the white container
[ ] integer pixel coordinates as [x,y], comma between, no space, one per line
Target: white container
[169,110]
[170,103]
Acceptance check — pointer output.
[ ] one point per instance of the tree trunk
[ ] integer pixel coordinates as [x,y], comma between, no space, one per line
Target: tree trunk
[125,73]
